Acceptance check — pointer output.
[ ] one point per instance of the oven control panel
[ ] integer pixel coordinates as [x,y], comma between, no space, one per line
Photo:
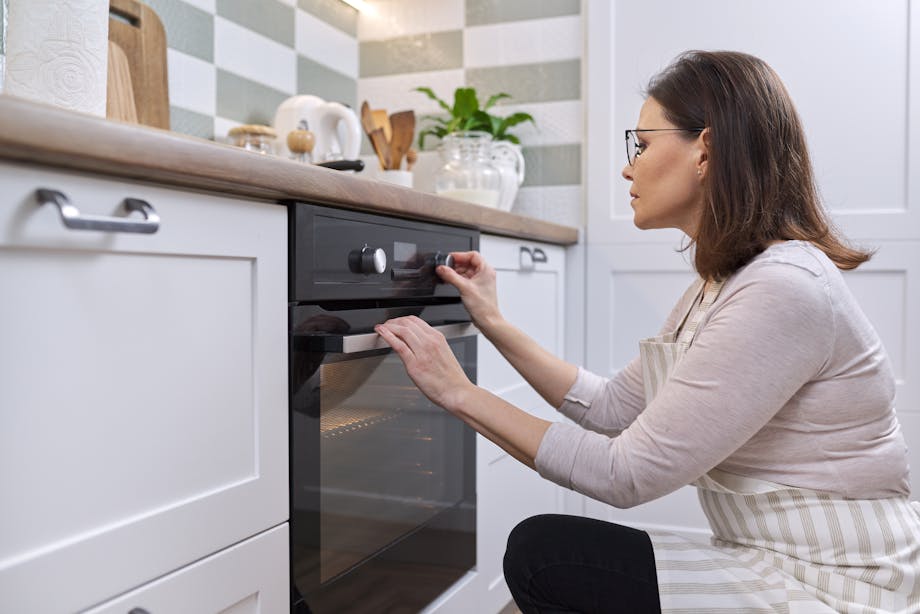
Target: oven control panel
[338,254]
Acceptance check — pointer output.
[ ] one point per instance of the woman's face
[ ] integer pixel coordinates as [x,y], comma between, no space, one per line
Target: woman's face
[666,188]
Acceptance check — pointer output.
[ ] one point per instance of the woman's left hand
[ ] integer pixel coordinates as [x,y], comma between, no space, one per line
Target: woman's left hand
[429,360]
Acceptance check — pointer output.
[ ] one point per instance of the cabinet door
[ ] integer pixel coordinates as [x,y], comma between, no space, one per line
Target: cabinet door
[248,578]
[531,296]
[143,387]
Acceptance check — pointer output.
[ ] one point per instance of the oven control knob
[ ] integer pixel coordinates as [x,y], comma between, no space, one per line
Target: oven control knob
[445,259]
[368,260]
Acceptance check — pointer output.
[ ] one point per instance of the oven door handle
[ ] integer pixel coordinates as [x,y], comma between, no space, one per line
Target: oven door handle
[352,344]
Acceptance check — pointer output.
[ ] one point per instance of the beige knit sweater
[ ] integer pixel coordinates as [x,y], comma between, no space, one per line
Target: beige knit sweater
[786,381]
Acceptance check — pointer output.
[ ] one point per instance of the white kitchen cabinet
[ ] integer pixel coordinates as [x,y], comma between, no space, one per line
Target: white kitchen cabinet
[143,389]
[531,295]
[247,578]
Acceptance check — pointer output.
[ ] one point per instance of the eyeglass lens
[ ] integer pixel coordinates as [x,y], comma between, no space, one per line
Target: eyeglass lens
[631,147]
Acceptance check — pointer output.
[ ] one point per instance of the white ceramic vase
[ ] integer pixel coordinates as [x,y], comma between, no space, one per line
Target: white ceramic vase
[509,160]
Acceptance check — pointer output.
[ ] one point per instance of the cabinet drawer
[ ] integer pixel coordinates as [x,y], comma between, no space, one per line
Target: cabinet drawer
[248,578]
[143,387]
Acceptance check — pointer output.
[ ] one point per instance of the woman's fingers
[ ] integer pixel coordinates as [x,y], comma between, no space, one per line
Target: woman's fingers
[467,264]
[429,360]
[399,346]
[452,277]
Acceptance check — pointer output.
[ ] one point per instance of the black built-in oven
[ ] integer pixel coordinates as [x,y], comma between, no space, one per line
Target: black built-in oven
[383,501]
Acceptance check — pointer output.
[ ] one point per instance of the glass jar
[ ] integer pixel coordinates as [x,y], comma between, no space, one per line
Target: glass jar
[468,173]
[253,137]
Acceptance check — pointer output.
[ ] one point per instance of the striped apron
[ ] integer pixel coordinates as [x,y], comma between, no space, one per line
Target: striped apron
[777,548]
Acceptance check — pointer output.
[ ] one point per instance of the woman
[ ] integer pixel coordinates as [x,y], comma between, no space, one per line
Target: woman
[767,388]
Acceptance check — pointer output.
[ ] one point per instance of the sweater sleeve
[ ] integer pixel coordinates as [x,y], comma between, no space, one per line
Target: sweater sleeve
[608,406]
[768,334]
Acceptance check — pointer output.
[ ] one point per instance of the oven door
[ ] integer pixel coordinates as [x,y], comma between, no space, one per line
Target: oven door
[382,480]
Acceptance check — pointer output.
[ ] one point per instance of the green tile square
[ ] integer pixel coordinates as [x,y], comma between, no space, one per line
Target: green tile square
[484,12]
[334,12]
[269,18]
[246,101]
[408,54]
[188,28]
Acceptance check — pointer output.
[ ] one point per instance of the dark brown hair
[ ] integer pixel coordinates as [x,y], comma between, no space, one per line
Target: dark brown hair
[759,183]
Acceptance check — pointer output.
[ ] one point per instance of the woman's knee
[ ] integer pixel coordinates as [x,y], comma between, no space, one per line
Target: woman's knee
[527,540]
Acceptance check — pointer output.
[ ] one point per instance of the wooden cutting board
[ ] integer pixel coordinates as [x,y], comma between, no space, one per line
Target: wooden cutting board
[137,32]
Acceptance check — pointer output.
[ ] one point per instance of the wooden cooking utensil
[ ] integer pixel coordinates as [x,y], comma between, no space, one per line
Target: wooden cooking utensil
[119,94]
[381,147]
[367,118]
[403,124]
[411,158]
[382,121]
[142,38]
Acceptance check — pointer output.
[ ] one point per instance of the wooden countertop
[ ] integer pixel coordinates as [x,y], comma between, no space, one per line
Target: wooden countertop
[41,134]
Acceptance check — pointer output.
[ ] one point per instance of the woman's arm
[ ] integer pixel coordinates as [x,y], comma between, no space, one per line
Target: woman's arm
[434,369]
[549,375]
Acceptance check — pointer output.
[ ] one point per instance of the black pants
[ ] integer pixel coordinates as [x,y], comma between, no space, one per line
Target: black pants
[569,564]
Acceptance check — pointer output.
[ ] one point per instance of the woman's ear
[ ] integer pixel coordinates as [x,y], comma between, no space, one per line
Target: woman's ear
[704,143]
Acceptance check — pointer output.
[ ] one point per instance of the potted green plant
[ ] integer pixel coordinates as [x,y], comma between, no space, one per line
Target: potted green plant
[466,115]
[469,121]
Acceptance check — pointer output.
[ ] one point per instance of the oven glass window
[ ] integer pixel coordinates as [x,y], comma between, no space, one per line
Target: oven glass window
[390,460]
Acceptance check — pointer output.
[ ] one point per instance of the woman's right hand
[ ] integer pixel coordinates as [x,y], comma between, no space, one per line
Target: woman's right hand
[475,280]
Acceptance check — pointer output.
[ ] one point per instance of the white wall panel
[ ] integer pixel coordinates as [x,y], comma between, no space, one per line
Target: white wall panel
[630,291]
[888,290]
[845,63]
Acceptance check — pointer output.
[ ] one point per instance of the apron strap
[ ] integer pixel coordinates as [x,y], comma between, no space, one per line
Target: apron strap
[688,332]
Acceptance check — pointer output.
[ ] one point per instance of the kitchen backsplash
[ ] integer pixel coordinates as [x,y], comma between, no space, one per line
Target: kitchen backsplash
[235,61]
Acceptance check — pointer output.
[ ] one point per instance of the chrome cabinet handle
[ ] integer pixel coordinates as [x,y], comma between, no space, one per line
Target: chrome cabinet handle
[73,219]
[352,344]
[531,257]
[526,257]
[138,611]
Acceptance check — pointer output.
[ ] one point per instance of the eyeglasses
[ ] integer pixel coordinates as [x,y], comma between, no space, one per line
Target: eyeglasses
[634,149]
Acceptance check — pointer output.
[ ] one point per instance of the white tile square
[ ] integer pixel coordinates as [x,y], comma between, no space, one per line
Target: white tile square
[192,82]
[317,40]
[394,92]
[387,19]
[254,56]
[523,42]
[557,123]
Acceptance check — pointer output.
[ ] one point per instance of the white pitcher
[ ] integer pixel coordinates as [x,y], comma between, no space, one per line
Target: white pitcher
[334,126]
[509,160]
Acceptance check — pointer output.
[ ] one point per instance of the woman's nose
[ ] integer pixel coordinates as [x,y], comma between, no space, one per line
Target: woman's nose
[627,172]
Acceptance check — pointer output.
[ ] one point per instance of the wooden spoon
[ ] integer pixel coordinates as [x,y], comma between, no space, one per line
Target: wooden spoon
[381,147]
[367,119]
[403,124]
[382,121]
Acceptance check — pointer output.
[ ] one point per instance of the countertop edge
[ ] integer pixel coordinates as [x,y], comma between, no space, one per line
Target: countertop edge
[42,134]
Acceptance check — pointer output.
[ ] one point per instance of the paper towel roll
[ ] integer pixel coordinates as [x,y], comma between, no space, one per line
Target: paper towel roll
[57,52]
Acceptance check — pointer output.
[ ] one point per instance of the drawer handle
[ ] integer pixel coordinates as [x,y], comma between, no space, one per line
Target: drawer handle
[531,257]
[73,219]
[138,611]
